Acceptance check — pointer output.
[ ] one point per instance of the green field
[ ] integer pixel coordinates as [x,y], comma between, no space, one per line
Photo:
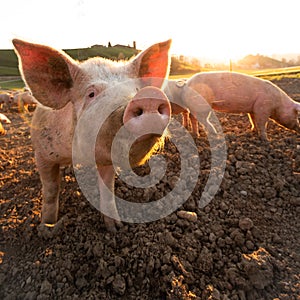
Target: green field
[270,74]
[9,61]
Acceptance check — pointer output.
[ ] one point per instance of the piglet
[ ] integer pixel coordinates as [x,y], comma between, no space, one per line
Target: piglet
[65,89]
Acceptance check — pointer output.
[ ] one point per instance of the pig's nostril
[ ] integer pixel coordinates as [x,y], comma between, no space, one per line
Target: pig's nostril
[138,112]
[162,109]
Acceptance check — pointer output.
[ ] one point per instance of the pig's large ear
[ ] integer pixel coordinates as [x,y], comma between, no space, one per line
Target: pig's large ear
[153,64]
[47,72]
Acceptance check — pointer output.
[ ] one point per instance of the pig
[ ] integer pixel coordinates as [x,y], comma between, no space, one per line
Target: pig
[178,91]
[3,119]
[233,92]
[65,88]
[23,100]
[5,99]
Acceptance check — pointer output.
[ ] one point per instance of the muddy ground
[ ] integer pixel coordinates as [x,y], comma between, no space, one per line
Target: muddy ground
[243,245]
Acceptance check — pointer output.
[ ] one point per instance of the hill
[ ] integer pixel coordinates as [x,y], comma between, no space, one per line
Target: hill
[9,61]
[261,62]
[9,72]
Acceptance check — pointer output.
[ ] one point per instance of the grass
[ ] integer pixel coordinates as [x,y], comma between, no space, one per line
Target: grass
[270,74]
[11,84]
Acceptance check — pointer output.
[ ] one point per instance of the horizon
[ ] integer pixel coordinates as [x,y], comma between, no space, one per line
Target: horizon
[217,30]
[203,59]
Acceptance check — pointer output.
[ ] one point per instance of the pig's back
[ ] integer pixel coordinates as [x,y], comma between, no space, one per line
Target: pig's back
[236,92]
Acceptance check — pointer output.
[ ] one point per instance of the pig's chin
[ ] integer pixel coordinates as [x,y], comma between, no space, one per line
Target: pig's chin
[144,147]
[150,136]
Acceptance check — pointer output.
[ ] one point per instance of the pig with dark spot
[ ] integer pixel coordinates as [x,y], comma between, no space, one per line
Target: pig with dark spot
[233,92]
[65,88]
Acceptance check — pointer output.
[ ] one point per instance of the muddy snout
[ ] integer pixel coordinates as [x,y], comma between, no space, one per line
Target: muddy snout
[147,113]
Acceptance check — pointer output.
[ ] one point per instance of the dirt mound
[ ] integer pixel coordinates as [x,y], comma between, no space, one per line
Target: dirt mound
[243,245]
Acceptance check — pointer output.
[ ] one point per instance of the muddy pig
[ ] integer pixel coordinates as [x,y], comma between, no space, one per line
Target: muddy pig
[65,89]
[239,93]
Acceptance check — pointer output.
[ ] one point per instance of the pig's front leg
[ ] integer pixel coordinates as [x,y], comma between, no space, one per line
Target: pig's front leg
[107,199]
[50,177]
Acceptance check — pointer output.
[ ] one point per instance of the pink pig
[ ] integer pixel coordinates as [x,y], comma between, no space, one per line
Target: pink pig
[65,88]
[181,95]
[239,93]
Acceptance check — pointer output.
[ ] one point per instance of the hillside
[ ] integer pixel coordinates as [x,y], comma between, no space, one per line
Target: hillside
[9,72]
[9,61]
[261,62]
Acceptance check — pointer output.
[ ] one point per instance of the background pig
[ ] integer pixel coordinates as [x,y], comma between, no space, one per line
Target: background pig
[69,88]
[181,96]
[23,100]
[239,93]
[5,99]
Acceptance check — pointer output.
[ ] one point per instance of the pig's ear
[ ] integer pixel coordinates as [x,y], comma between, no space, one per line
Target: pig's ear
[153,64]
[47,72]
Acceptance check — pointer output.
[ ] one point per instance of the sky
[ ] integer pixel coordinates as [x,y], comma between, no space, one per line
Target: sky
[215,29]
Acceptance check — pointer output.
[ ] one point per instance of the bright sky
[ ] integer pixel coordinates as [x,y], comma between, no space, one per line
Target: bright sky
[220,29]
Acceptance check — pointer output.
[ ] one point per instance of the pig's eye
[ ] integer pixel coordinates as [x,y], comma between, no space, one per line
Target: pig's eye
[91,95]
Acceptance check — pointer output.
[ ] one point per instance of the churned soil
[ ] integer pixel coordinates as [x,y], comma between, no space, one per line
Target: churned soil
[245,244]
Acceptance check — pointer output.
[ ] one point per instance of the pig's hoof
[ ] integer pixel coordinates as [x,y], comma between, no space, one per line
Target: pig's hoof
[49,231]
[111,224]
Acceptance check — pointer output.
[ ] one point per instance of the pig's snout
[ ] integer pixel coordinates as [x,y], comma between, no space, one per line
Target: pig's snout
[148,112]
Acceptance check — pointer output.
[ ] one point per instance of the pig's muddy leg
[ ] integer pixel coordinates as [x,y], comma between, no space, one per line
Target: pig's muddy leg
[107,199]
[195,126]
[259,124]
[186,119]
[50,177]
[203,118]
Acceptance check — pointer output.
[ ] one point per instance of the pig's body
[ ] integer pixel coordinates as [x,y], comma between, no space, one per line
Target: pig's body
[23,100]
[239,93]
[68,88]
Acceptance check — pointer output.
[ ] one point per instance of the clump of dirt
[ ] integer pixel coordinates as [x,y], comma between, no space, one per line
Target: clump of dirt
[243,245]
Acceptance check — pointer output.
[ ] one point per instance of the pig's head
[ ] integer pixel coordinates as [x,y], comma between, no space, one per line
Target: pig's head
[287,113]
[56,80]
